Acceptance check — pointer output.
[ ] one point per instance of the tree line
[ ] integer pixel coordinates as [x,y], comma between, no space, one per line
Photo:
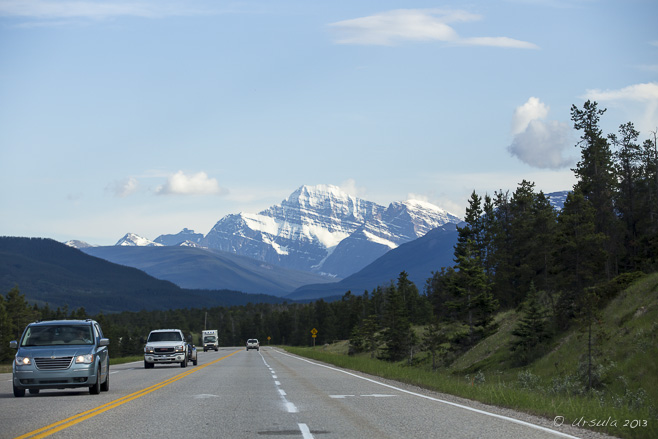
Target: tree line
[514,251]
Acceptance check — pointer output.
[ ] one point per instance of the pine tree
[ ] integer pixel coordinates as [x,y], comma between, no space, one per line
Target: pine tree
[531,331]
[628,166]
[397,332]
[596,179]
[579,255]
[472,300]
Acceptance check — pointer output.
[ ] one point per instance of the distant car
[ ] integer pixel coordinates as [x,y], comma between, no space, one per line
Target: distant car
[60,354]
[253,343]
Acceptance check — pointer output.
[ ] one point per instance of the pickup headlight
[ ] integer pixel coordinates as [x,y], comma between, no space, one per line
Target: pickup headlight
[23,361]
[148,350]
[86,359]
[179,348]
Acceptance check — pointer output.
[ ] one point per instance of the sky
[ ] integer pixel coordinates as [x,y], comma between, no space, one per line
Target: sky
[153,116]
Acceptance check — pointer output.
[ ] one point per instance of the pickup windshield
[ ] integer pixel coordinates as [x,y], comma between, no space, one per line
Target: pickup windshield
[165,336]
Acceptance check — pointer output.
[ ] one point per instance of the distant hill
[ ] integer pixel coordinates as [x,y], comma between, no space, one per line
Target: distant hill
[419,258]
[49,272]
[202,268]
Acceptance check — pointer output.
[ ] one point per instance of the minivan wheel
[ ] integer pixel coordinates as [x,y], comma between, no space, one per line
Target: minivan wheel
[106,384]
[96,388]
[18,392]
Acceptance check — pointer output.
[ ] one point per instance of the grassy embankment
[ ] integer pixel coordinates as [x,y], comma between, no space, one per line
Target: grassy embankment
[552,385]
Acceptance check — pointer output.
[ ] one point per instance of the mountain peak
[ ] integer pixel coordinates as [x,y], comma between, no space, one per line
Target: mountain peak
[311,224]
[134,240]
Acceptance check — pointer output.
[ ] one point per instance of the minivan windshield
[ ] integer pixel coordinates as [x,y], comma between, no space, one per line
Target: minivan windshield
[53,335]
[165,336]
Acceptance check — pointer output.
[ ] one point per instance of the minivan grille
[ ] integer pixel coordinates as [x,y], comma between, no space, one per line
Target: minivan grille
[57,363]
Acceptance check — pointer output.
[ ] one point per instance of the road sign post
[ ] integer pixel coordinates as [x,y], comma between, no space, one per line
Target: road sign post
[314,333]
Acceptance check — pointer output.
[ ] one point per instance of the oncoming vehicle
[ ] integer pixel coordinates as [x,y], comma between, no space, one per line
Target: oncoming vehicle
[168,346]
[253,343]
[210,340]
[60,354]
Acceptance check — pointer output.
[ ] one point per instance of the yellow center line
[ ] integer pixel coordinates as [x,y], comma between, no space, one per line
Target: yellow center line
[68,422]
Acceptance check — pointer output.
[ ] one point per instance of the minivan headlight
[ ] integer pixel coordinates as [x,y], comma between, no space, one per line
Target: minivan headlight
[86,359]
[23,361]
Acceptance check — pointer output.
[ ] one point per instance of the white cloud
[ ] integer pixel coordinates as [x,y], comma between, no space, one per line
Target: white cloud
[497,42]
[123,188]
[641,102]
[397,26]
[419,197]
[349,187]
[523,115]
[537,142]
[639,92]
[195,184]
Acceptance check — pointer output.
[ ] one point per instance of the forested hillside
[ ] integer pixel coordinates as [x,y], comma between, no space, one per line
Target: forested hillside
[50,273]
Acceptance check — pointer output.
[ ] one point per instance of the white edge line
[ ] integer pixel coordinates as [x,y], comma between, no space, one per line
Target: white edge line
[454,404]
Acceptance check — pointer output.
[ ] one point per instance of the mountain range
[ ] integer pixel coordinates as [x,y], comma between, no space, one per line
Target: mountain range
[49,272]
[322,229]
[319,242]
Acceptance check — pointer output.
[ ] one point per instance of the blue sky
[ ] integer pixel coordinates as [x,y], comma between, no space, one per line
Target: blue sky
[151,116]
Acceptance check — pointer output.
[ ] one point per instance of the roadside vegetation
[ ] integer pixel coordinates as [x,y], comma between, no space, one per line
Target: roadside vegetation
[545,310]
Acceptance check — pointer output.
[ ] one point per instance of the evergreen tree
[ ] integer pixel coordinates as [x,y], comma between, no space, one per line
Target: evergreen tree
[472,300]
[531,331]
[647,216]
[596,180]
[439,293]
[5,332]
[628,166]
[579,255]
[397,332]
[433,340]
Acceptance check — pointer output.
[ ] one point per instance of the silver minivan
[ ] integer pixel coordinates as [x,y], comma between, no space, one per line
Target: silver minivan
[60,354]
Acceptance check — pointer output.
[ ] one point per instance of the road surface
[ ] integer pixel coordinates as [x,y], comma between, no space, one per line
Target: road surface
[269,393]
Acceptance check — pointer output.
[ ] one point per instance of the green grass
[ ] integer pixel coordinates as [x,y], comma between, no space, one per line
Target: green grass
[549,386]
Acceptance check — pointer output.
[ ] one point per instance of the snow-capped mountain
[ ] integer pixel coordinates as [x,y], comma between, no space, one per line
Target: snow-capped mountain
[78,244]
[324,230]
[133,240]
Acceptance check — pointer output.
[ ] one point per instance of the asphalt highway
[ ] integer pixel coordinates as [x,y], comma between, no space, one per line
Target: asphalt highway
[269,393]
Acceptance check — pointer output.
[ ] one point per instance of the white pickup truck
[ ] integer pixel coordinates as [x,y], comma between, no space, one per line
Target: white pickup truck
[166,346]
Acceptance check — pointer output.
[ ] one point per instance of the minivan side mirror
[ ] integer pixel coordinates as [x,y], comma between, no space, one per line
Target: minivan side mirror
[13,344]
[104,342]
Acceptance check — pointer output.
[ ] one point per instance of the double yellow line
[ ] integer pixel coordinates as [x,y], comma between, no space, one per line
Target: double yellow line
[68,422]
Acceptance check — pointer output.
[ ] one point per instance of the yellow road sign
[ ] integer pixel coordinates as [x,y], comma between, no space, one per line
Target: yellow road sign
[314,331]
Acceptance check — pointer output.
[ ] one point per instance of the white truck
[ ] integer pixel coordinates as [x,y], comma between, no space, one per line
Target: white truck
[166,346]
[210,340]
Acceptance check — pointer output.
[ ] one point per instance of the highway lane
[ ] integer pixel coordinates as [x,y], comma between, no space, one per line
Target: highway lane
[256,394]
